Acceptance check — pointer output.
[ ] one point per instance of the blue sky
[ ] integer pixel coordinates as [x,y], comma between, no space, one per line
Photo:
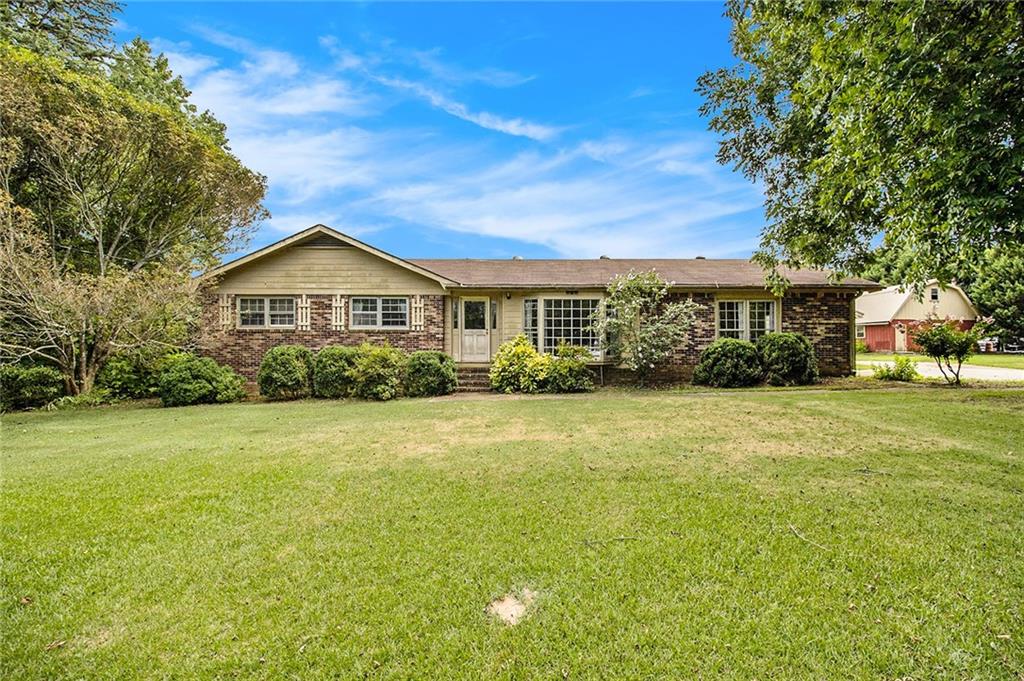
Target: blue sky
[471,130]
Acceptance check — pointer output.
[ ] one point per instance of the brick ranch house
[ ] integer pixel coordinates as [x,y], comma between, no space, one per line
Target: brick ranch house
[885,319]
[321,287]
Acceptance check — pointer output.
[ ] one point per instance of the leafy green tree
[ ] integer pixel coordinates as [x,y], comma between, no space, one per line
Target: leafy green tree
[893,266]
[108,204]
[78,32]
[114,180]
[999,290]
[900,120]
[641,325]
[149,78]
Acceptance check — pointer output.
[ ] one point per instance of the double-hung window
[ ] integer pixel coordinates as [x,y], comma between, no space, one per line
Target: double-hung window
[256,313]
[568,320]
[745,319]
[380,313]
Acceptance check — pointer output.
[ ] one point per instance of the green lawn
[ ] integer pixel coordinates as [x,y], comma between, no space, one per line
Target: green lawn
[981,360]
[872,534]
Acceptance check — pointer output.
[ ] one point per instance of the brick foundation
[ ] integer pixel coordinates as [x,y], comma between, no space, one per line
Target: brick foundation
[243,349]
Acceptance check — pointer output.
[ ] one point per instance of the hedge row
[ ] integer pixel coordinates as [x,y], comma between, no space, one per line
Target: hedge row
[776,358]
[373,372]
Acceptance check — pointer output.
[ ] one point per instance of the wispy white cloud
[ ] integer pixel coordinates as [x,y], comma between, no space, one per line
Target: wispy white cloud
[430,61]
[509,126]
[324,139]
[641,91]
[579,206]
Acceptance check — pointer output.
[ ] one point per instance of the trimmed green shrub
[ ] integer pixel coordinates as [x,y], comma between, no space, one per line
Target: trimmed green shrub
[331,368]
[378,372]
[430,373]
[519,368]
[568,372]
[97,397]
[199,380]
[134,375]
[902,369]
[286,372]
[728,363]
[26,387]
[787,359]
[862,347]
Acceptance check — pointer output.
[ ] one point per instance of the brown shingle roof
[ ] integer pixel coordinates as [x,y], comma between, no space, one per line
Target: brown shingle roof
[695,273]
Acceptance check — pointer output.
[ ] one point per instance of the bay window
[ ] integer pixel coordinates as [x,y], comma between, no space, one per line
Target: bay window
[379,312]
[266,312]
[746,319]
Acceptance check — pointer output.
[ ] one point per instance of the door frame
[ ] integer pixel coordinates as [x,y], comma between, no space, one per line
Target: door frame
[486,300]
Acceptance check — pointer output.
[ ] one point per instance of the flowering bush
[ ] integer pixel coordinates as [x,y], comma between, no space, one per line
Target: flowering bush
[947,345]
[638,325]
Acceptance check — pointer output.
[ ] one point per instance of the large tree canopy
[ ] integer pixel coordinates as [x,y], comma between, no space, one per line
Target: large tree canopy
[114,180]
[898,122]
[108,204]
[78,32]
[998,290]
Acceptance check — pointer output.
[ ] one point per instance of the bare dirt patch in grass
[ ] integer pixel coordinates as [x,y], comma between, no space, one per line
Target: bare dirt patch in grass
[511,609]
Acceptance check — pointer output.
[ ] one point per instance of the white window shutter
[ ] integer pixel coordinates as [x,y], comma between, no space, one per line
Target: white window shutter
[302,319]
[337,313]
[227,317]
[416,321]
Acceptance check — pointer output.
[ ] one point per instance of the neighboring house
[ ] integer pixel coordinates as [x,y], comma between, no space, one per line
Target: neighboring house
[885,318]
[320,287]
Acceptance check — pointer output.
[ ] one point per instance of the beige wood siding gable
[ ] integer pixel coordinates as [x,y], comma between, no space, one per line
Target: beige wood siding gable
[348,270]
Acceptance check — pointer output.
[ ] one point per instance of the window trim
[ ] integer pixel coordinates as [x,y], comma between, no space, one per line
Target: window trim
[379,326]
[933,294]
[861,332]
[745,315]
[266,312]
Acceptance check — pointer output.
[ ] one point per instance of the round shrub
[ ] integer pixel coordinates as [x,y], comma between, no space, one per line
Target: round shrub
[787,359]
[568,372]
[331,368]
[378,372]
[285,372]
[728,363]
[518,367]
[198,380]
[26,387]
[430,373]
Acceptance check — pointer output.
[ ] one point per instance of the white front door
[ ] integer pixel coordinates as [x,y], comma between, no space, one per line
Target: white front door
[476,336]
[901,338]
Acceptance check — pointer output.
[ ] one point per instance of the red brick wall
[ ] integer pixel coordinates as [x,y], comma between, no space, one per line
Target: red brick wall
[825,319]
[243,349]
